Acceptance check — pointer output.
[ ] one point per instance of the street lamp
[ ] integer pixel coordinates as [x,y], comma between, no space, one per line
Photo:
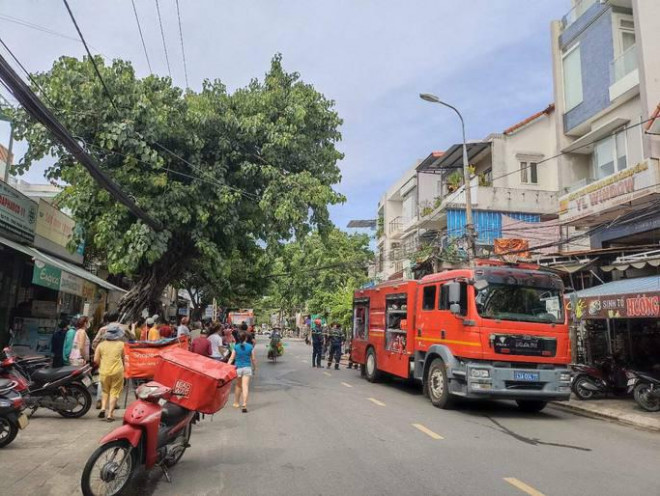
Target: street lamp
[469,226]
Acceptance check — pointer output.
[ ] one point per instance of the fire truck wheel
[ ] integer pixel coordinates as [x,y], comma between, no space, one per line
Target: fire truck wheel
[531,406]
[437,385]
[371,367]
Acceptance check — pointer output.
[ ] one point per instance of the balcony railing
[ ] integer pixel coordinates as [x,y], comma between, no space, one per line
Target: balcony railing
[623,65]
[581,6]
[395,226]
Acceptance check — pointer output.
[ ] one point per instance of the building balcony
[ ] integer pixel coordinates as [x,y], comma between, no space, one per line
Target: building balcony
[604,200]
[624,76]
[395,228]
[580,7]
[490,198]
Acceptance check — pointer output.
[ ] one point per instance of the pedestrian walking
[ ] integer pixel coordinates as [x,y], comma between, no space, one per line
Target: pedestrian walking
[326,342]
[165,331]
[154,333]
[201,344]
[57,344]
[216,342]
[336,339]
[110,318]
[183,329]
[79,354]
[317,343]
[243,356]
[68,340]
[109,356]
[141,329]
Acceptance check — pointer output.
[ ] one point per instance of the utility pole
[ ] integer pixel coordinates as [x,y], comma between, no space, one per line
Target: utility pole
[469,225]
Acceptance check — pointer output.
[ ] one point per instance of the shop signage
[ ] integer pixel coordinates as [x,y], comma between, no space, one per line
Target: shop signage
[54,225]
[636,306]
[88,290]
[18,214]
[71,284]
[46,275]
[610,192]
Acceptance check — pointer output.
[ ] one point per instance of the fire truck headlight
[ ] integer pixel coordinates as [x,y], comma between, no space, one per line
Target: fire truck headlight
[565,377]
[481,373]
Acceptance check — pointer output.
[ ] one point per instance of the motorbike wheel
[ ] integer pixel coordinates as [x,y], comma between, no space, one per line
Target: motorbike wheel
[8,431]
[83,399]
[104,474]
[643,399]
[580,391]
[186,440]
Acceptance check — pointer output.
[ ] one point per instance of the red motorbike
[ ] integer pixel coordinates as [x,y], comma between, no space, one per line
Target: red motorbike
[604,377]
[155,432]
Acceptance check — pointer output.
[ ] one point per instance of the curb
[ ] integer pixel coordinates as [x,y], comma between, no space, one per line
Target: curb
[630,419]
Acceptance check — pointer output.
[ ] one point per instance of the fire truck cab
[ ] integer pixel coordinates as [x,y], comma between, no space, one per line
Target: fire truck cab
[490,331]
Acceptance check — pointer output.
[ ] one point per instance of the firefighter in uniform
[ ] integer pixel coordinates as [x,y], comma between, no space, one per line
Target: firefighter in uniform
[336,338]
[317,343]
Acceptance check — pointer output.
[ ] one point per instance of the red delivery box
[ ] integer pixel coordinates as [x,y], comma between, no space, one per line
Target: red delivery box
[197,382]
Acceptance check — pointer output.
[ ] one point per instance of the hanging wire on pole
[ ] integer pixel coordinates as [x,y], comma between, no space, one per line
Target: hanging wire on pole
[183,51]
[91,57]
[144,46]
[162,35]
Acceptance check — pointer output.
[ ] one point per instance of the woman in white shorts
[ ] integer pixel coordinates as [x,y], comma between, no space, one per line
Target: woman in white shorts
[244,358]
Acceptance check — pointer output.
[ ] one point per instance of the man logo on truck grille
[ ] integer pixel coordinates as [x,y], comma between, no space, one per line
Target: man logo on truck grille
[182,389]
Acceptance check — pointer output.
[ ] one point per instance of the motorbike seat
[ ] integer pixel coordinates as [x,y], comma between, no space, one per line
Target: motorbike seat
[50,374]
[172,413]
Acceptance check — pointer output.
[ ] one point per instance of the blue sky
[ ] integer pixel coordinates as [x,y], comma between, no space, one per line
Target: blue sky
[489,58]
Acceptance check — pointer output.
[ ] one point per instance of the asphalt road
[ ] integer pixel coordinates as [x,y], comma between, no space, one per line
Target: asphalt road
[327,432]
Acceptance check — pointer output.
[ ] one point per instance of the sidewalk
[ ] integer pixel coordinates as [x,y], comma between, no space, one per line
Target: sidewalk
[623,410]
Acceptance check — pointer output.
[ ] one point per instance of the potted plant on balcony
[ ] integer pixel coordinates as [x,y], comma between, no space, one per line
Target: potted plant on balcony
[454,181]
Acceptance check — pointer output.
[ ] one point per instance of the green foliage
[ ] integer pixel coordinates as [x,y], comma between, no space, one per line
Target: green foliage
[263,165]
[317,272]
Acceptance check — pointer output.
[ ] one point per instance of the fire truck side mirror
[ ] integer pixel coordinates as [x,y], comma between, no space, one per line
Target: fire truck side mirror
[455,308]
[454,293]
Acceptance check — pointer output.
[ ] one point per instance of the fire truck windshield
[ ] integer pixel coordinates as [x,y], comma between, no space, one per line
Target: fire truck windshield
[520,303]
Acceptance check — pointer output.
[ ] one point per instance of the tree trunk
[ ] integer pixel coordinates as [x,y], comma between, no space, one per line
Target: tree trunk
[149,287]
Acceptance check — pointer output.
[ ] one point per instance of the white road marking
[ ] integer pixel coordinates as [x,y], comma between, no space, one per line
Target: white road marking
[427,431]
[376,402]
[328,374]
[346,384]
[523,487]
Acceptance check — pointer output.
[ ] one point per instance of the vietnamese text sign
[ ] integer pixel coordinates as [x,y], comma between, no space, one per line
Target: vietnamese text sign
[610,191]
[46,275]
[71,284]
[633,306]
[18,214]
[54,225]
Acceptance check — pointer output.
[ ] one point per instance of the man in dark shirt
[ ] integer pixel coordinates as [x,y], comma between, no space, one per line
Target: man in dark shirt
[57,344]
[201,344]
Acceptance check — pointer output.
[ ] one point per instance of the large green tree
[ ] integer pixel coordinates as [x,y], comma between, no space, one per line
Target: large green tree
[247,169]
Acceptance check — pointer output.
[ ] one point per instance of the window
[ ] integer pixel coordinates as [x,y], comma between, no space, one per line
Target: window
[610,155]
[360,320]
[428,298]
[528,173]
[572,68]
[444,304]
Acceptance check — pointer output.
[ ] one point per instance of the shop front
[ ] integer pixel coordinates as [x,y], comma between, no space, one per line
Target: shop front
[620,318]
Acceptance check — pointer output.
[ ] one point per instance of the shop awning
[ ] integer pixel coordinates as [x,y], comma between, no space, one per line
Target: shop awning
[60,264]
[453,157]
[627,298]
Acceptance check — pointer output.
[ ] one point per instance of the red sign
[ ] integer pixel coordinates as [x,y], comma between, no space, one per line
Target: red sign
[619,307]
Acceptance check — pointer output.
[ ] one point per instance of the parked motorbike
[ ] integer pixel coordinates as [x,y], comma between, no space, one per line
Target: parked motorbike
[63,389]
[606,376]
[12,417]
[647,391]
[155,432]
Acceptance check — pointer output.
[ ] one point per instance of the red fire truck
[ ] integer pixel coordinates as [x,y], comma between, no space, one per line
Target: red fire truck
[494,330]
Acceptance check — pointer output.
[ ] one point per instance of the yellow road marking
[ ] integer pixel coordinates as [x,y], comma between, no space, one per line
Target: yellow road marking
[346,384]
[328,374]
[428,432]
[376,402]
[523,487]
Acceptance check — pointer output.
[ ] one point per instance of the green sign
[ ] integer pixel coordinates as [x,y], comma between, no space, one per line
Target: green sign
[46,275]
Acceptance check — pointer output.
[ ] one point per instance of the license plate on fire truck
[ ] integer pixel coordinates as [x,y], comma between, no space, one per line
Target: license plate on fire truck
[525,376]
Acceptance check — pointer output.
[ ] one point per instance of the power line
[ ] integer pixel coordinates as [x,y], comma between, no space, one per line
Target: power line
[144,46]
[183,51]
[162,35]
[91,57]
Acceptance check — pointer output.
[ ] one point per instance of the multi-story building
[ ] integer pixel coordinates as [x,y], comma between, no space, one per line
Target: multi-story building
[514,180]
[607,87]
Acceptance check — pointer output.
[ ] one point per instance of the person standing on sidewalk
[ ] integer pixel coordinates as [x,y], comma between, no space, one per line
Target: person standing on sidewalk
[154,333]
[216,342]
[202,345]
[336,338]
[317,343]
[243,356]
[183,329]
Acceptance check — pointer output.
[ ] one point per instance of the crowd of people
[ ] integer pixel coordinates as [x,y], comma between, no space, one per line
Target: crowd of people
[74,344]
[329,341]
